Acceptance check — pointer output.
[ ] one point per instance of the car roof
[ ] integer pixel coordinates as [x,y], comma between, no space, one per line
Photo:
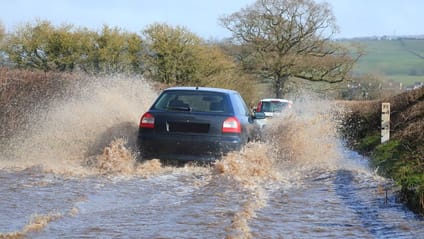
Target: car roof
[275,99]
[210,89]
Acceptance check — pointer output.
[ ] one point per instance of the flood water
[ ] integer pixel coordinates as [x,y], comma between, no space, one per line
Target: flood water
[74,174]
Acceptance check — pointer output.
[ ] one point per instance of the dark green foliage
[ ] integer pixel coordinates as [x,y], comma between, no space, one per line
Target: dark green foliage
[394,161]
[368,143]
[385,157]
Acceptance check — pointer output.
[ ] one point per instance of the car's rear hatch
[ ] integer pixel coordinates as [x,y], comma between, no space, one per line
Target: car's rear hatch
[185,133]
[187,123]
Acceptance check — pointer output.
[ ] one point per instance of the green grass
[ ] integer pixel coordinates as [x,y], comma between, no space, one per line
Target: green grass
[405,79]
[400,60]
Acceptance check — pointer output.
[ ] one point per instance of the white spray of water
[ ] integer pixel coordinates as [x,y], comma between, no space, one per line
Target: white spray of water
[71,130]
[303,141]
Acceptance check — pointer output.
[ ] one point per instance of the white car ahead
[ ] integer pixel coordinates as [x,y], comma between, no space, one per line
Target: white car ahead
[272,107]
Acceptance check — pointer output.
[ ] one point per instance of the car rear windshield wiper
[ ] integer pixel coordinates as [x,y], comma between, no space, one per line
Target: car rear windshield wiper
[180,108]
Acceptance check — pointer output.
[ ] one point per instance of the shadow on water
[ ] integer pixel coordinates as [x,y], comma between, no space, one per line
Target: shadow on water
[367,212]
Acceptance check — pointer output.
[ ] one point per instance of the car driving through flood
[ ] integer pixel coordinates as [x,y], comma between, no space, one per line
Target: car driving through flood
[196,123]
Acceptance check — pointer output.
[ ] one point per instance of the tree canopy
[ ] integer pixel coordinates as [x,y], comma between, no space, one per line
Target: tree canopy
[279,39]
[171,53]
[46,47]
[276,40]
[176,56]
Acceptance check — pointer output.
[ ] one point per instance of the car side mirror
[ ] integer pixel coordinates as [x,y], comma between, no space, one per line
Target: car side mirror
[259,115]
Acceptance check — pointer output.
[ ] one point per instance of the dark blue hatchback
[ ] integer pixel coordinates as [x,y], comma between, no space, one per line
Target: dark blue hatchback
[195,123]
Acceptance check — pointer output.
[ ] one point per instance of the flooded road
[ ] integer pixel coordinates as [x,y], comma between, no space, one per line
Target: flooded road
[202,202]
[74,174]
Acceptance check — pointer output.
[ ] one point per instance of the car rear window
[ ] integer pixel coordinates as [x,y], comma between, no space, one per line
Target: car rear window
[194,101]
[273,106]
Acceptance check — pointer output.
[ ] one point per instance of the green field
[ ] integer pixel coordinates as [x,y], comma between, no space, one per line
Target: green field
[398,60]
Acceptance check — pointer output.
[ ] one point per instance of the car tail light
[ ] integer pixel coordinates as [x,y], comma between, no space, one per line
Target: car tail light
[290,104]
[147,121]
[258,109]
[231,125]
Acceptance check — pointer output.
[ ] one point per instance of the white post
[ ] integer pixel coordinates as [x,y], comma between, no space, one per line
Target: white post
[385,122]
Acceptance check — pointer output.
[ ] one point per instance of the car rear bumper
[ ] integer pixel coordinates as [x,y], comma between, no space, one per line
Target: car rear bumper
[187,147]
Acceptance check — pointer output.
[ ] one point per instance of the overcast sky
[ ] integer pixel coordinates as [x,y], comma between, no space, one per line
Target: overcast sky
[356,18]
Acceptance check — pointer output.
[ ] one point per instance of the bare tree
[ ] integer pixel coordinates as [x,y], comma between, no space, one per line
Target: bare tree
[289,38]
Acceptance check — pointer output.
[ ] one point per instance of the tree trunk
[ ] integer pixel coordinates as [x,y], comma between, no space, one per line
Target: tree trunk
[279,82]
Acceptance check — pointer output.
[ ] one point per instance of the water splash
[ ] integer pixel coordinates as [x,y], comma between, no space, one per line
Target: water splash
[61,138]
[251,169]
[298,144]
[93,133]
[116,159]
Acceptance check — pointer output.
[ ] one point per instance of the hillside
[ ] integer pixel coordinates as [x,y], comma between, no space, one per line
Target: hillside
[398,59]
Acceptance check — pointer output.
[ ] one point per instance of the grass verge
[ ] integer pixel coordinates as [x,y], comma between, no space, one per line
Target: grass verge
[402,157]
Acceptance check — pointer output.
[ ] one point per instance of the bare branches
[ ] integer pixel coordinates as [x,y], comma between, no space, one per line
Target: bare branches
[290,38]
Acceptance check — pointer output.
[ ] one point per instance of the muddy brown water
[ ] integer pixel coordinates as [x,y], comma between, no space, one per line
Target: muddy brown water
[75,174]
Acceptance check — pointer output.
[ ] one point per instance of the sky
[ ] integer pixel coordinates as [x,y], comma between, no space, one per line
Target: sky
[355,18]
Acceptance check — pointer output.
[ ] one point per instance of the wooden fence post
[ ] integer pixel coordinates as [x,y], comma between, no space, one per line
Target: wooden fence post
[385,122]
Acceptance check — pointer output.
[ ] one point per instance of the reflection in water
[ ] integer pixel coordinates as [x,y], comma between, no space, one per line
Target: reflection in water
[76,174]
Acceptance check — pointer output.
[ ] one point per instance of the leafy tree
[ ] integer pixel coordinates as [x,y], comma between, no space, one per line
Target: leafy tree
[134,49]
[171,54]
[114,49]
[175,56]
[61,50]
[111,50]
[46,47]
[88,58]
[219,70]
[26,47]
[42,46]
[279,39]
